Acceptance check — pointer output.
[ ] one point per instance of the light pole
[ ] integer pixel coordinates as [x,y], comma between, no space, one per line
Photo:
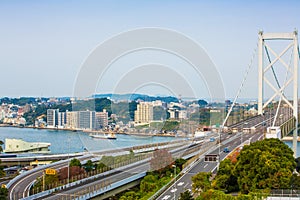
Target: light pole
[245,123]
[69,160]
[174,181]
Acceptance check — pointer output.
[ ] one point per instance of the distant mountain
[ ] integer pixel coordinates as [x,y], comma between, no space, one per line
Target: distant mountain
[134,97]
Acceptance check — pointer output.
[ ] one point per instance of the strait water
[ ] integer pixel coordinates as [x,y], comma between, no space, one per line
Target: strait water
[71,142]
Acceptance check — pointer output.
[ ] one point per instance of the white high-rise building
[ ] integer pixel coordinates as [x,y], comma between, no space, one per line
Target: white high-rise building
[61,119]
[101,119]
[144,113]
[52,118]
[72,119]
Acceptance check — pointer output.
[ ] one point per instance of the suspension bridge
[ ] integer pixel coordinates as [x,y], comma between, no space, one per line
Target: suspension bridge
[282,118]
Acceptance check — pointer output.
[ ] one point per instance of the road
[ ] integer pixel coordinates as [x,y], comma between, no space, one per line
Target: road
[113,178]
[184,183]
[22,186]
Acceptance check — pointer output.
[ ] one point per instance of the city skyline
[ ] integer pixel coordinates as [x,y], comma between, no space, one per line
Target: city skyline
[45,43]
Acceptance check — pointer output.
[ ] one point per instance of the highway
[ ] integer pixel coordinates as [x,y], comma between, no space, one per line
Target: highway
[20,188]
[113,178]
[119,175]
[184,182]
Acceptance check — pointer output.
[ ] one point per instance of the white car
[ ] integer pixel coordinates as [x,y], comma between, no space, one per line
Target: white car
[166,197]
[180,184]
[174,190]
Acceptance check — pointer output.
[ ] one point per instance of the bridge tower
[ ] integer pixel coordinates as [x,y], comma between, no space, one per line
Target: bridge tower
[264,39]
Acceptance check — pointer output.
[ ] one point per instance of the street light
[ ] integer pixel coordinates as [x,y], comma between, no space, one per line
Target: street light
[174,181]
[243,131]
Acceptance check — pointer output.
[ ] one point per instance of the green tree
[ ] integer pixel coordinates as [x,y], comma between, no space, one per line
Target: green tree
[186,195]
[295,182]
[75,162]
[171,125]
[202,103]
[265,164]
[225,179]
[3,193]
[148,184]
[215,195]
[179,162]
[131,195]
[201,182]
[89,166]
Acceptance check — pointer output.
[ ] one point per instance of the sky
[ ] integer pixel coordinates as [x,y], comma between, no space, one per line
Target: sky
[44,44]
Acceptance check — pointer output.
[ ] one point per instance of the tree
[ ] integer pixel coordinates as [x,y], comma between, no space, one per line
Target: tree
[75,162]
[161,159]
[179,162]
[186,195]
[148,184]
[3,193]
[295,182]
[215,195]
[89,166]
[225,179]
[131,195]
[264,164]
[1,143]
[201,182]
[202,103]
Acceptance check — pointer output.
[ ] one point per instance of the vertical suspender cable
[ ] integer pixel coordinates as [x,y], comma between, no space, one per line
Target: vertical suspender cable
[241,86]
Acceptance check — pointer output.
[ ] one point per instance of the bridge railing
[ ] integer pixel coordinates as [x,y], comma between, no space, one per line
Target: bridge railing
[75,183]
[17,178]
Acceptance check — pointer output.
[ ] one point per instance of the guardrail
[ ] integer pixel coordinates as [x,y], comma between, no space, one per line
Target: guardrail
[48,192]
[38,169]
[92,193]
[189,166]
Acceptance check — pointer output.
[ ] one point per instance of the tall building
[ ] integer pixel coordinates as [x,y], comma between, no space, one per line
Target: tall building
[177,113]
[101,119]
[61,119]
[52,118]
[72,119]
[86,120]
[144,113]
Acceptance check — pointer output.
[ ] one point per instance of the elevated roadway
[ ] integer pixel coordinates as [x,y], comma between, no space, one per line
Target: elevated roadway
[185,181]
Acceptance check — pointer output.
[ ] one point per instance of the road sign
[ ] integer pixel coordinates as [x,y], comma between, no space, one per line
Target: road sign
[50,171]
[211,158]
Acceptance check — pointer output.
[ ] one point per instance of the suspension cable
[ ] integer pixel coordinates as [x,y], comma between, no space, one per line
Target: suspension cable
[241,86]
[276,79]
[282,93]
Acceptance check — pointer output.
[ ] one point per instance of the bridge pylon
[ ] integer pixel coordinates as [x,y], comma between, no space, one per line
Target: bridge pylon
[278,89]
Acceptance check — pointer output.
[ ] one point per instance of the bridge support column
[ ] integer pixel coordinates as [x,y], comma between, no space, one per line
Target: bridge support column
[278,88]
[295,88]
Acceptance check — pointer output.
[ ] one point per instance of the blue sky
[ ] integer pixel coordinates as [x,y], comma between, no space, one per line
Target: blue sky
[44,43]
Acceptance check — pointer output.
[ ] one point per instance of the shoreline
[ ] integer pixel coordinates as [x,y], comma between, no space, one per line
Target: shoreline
[91,131]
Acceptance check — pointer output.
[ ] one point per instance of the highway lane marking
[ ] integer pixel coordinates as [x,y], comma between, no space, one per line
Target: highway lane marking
[21,182]
[86,186]
[205,166]
[25,177]
[185,185]
[28,188]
